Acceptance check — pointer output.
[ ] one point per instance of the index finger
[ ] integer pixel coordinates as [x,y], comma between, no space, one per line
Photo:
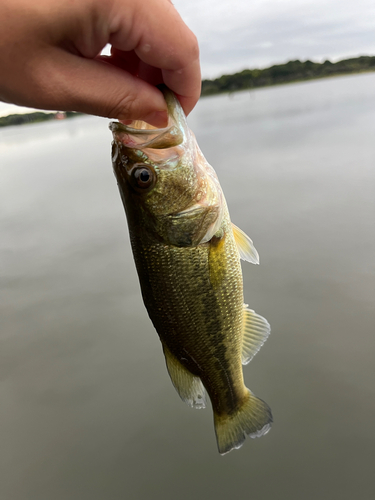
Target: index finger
[160,38]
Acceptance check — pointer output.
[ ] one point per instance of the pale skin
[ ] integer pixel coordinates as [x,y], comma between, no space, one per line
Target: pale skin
[50,57]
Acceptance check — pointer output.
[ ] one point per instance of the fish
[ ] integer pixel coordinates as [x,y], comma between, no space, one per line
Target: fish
[187,254]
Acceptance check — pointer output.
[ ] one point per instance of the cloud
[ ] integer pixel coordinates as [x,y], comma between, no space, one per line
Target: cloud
[242,34]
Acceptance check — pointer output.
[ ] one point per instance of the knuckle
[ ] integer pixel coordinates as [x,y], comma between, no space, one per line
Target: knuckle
[194,47]
[124,107]
[185,52]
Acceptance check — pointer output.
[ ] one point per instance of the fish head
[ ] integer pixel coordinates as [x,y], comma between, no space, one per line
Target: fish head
[168,188]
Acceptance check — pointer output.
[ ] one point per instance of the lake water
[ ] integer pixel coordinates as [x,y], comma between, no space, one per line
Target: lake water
[87,410]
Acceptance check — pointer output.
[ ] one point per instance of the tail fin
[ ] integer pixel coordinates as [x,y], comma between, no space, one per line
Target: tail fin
[253,419]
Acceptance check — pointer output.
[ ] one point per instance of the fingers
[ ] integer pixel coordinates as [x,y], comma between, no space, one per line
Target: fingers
[129,61]
[185,85]
[49,58]
[71,82]
[161,39]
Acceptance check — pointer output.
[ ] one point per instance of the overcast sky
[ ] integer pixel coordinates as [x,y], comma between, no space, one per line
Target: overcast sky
[238,34]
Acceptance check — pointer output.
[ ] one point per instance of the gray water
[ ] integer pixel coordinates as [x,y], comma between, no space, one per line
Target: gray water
[87,410]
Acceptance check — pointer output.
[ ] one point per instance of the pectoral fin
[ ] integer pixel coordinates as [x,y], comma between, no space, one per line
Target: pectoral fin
[256,330]
[188,386]
[245,246]
[187,228]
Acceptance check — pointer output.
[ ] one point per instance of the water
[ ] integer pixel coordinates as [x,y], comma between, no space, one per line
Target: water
[87,408]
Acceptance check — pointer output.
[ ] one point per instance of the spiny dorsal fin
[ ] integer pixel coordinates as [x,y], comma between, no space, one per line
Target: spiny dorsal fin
[245,246]
[188,386]
[256,330]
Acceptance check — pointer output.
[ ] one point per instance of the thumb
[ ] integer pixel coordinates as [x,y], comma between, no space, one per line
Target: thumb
[74,83]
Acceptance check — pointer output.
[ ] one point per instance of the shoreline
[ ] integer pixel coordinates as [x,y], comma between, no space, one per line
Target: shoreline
[280,74]
[290,72]
[289,82]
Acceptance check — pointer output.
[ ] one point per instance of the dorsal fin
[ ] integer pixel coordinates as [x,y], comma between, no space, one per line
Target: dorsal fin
[188,386]
[245,246]
[256,330]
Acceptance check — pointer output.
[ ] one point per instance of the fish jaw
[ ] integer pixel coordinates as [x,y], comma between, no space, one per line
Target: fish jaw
[140,135]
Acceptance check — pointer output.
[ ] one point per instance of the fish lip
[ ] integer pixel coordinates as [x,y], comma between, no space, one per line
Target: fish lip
[175,133]
[154,138]
[146,128]
[116,127]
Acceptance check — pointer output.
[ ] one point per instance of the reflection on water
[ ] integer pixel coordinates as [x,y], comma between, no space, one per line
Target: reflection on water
[87,408]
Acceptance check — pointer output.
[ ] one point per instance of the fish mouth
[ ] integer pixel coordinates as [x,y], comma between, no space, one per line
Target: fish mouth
[140,135]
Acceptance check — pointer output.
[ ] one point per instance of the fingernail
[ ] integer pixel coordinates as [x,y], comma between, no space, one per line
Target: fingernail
[157,119]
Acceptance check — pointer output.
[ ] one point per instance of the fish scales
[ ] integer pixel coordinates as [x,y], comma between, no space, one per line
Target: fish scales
[199,328]
[187,254]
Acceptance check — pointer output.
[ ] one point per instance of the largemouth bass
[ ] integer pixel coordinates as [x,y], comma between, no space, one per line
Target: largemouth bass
[187,253]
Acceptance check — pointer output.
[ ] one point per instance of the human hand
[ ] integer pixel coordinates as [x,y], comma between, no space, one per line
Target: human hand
[49,57]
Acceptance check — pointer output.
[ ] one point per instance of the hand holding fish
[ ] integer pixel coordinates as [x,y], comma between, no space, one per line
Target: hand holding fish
[49,57]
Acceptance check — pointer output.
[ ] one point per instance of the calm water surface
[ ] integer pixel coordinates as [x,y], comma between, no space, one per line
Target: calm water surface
[87,410]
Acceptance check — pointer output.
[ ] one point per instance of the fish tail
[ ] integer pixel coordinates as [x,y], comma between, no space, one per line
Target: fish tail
[253,419]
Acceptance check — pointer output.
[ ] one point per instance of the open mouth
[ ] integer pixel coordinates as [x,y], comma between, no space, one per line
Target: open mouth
[139,134]
[138,126]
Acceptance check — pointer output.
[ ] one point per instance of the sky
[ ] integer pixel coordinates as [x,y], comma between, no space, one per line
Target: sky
[238,34]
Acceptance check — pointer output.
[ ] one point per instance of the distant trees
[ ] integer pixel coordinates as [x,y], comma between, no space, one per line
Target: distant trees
[37,116]
[282,73]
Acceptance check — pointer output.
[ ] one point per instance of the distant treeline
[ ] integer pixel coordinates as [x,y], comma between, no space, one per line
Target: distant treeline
[292,71]
[37,116]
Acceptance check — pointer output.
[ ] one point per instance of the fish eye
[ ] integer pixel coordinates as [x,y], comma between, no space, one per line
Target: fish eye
[143,176]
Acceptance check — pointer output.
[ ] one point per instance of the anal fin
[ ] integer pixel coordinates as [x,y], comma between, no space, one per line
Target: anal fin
[188,386]
[245,246]
[256,330]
